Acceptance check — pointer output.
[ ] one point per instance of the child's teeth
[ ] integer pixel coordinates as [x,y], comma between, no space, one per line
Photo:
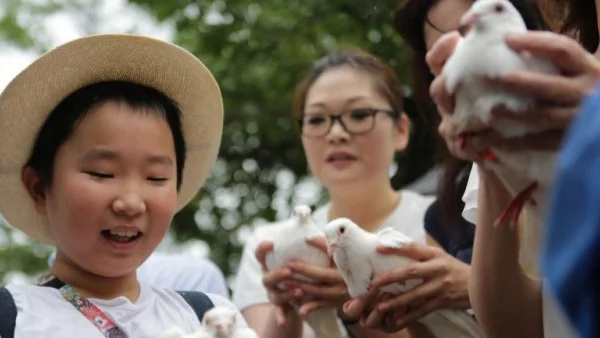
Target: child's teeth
[122,233]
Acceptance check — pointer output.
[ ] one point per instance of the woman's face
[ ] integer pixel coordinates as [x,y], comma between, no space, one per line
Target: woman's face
[443,17]
[340,157]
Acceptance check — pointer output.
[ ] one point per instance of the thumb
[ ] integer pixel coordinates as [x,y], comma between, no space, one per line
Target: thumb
[261,252]
[318,242]
[441,50]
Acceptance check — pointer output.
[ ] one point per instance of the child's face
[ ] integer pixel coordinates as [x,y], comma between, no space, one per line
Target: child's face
[116,173]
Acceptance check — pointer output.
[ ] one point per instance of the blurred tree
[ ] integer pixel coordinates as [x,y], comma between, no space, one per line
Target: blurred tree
[257,51]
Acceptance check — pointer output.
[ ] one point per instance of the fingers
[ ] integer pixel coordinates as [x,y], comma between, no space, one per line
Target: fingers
[423,270]
[307,308]
[419,295]
[441,50]
[565,53]
[321,291]
[543,116]
[380,321]
[272,278]
[545,87]
[357,307]
[261,253]
[545,141]
[281,313]
[318,242]
[416,313]
[284,297]
[317,273]
[444,101]
[416,251]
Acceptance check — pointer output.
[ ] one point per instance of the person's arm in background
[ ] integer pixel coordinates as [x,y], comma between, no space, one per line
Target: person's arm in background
[505,300]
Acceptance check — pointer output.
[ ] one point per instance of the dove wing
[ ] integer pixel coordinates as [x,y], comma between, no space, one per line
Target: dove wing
[391,238]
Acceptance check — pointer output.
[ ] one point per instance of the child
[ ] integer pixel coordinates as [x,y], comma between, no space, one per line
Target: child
[103,140]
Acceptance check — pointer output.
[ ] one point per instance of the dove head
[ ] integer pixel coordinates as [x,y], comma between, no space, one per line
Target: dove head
[339,231]
[493,15]
[302,212]
[220,321]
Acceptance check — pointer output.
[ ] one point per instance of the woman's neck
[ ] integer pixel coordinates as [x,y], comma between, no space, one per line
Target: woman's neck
[368,206]
[93,286]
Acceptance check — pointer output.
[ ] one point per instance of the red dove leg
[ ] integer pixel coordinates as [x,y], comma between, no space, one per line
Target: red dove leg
[514,208]
[490,156]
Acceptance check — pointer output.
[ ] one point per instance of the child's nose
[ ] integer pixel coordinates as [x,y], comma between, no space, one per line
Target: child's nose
[129,204]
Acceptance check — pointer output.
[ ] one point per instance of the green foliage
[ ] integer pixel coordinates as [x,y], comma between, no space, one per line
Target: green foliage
[18,254]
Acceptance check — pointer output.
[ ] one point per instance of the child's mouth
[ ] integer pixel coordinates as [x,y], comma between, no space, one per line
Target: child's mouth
[121,237]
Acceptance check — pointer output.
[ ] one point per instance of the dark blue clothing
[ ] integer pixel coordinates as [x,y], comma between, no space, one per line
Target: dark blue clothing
[455,237]
[571,258]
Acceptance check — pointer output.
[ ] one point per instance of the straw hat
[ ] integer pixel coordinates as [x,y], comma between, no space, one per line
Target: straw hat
[35,92]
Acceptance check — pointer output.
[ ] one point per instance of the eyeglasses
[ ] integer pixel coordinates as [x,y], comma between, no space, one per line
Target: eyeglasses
[354,121]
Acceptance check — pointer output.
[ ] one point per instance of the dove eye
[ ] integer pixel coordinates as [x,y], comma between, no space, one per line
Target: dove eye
[342,230]
[499,8]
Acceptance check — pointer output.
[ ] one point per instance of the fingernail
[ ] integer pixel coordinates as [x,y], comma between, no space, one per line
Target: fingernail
[383,307]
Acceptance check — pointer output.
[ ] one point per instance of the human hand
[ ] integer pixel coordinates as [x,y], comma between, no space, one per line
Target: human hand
[560,94]
[274,280]
[436,59]
[327,288]
[445,286]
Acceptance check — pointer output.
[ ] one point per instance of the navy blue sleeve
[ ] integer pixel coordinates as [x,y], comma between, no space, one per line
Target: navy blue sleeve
[455,237]
[8,314]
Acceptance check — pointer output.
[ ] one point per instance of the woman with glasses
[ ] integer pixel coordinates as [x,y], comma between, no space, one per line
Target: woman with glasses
[351,118]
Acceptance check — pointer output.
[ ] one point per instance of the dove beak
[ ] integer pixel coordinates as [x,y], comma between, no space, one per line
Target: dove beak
[469,19]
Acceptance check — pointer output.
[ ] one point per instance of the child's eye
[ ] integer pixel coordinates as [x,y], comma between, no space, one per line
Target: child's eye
[157,179]
[99,175]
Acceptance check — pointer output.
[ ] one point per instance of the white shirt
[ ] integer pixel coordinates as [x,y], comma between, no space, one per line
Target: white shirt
[180,272]
[470,195]
[555,324]
[248,288]
[42,312]
[183,272]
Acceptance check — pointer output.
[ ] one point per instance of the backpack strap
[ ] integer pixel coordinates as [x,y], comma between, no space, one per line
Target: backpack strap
[8,314]
[199,301]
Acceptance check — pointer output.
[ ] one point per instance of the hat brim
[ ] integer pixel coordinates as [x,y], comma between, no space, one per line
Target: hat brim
[27,101]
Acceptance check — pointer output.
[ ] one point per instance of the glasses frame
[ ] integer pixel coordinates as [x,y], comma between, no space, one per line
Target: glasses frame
[338,117]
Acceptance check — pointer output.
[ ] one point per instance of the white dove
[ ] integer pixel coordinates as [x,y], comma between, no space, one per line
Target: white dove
[290,243]
[218,322]
[355,254]
[483,53]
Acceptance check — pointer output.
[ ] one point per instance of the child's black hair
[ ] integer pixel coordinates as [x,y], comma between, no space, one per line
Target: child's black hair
[63,120]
